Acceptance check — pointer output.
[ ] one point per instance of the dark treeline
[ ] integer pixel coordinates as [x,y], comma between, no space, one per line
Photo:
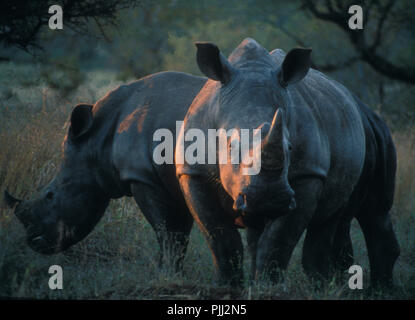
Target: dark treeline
[136,38]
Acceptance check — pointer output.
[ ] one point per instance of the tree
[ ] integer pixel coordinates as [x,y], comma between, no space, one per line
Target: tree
[22,20]
[377,17]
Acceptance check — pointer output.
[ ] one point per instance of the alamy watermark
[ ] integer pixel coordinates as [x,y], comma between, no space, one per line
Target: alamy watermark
[233,147]
[356,280]
[56,20]
[56,280]
[356,20]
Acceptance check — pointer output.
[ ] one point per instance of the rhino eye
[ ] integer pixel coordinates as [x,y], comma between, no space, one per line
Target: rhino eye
[49,195]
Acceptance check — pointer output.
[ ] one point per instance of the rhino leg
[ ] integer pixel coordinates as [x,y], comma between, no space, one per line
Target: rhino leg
[253,236]
[318,248]
[218,228]
[171,223]
[382,245]
[280,236]
[342,251]
[328,247]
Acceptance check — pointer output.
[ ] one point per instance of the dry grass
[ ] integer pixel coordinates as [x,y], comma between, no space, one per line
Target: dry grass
[118,259]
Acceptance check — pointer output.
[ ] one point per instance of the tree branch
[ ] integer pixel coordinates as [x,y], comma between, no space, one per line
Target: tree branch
[334,67]
[279,23]
[357,38]
[22,20]
[380,25]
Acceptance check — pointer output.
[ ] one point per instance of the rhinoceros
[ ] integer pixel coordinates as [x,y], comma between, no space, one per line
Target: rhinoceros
[325,159]
[108,154]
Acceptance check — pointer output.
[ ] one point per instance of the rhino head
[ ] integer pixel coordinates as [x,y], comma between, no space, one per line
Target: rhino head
[70,206]
[249,91]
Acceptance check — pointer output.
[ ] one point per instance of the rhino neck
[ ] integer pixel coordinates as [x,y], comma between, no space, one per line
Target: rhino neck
[100,151]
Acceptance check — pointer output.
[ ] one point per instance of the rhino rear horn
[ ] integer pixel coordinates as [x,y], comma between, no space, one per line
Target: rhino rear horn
[10,200]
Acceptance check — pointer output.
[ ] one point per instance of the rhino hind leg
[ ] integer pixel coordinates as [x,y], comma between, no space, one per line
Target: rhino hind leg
[382,245]
[342,249]
[171,223]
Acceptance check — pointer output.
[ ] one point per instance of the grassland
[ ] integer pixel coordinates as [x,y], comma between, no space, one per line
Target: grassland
[118,260]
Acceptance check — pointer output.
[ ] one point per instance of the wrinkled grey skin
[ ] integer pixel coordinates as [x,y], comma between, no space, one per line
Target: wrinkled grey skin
[107,154]
[326,158]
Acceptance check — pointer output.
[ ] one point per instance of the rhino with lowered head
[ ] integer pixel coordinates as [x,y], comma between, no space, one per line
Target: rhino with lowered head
[107,154]
[325,158]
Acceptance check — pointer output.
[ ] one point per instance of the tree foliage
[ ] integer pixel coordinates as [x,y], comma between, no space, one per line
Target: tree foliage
[159,35]
[378,16]
[22,20]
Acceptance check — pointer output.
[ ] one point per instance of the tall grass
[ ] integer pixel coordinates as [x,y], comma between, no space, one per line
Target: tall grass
[119,258]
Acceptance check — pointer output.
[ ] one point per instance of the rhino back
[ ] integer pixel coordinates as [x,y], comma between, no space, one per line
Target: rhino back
[154,102]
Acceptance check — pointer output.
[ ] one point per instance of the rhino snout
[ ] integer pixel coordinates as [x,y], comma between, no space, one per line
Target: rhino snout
[240,203]
[10,200]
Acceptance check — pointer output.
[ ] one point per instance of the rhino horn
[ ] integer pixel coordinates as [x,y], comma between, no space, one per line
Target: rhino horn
[10,200]
[273,146]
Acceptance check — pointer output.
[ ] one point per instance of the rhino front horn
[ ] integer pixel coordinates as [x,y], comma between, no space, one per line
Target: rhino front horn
[10,200]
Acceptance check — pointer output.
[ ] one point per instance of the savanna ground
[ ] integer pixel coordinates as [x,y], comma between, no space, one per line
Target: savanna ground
[118,260]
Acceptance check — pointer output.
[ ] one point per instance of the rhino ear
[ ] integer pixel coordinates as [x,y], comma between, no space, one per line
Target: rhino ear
[295,66]
[81,120]
[212,62]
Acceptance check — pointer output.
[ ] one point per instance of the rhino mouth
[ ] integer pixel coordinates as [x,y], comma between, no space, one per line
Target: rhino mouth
[258,218]
[252,220]
[268,214]
[36,237]
[39,242]
[43,245]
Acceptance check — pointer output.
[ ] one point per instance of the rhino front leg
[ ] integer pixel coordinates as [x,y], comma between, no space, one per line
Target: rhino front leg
[317,257]
[253,236]
[280,236]
[171,223]
[222,236]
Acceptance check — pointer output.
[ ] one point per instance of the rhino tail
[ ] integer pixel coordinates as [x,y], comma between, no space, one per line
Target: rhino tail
[386,159]
[386,164]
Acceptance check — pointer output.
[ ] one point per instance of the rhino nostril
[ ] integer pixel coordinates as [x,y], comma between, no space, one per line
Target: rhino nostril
[37,239]
[240,202]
